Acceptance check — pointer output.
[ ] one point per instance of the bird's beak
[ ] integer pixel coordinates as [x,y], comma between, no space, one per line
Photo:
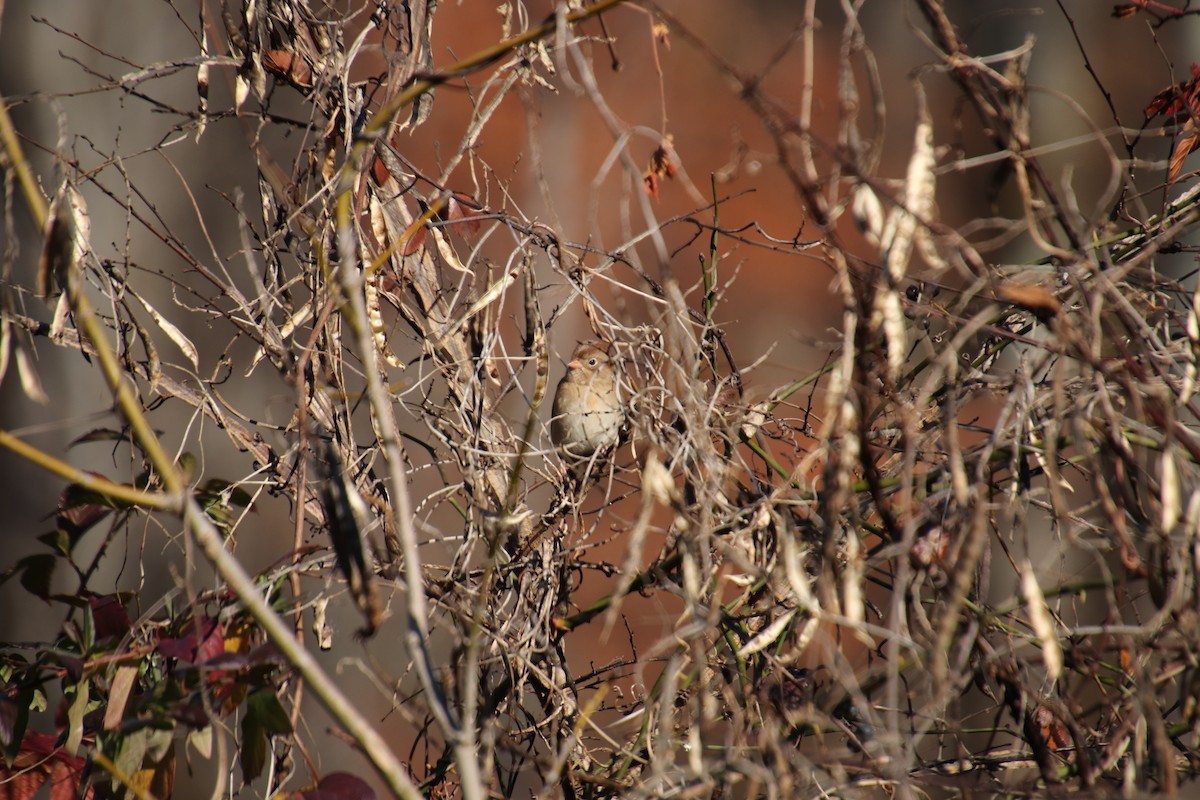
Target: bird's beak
[574,365]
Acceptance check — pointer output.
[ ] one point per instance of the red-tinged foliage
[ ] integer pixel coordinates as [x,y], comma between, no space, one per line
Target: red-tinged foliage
[379,171]
[462,207]
[651,181]
[1160,10]
[415,242]
[109,616]
[41,760]
[459,208]
[338,786]
[1179,101]
[200,641]
[1181,104]
[662,165]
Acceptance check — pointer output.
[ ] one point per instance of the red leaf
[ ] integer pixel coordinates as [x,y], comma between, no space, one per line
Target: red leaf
[662,165]
[463,208]
[1180,100]
[379,171]
[651,181]
[414,242]
[287,66]
[109,615]
[41,759]
[339,786]
[66,778]
[197,643]
[22,785]
[40,745]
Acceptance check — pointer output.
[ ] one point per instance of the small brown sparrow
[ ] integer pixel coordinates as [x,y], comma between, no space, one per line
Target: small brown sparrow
[587,411]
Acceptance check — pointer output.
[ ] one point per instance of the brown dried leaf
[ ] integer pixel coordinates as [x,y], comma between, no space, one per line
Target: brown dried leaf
[57,248]
[172,331]
[31,383]
[662,165]
[1183,149]
[202,82]
[1031,297]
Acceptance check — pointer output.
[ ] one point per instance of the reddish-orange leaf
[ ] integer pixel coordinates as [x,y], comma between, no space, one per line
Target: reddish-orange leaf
[339,786]
[288,66]
[463,208]
[40,759]
[662,165]
[277,62]
[414,242]
[110,617]
[197,643]
[651,181]
[661,162]
[22,784]
[379,171]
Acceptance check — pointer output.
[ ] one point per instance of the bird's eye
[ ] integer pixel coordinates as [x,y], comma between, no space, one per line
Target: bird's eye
[591,362]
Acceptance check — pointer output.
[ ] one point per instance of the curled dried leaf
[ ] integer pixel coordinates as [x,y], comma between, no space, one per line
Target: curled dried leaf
[662,165]
[1031,297]
[1183,148]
